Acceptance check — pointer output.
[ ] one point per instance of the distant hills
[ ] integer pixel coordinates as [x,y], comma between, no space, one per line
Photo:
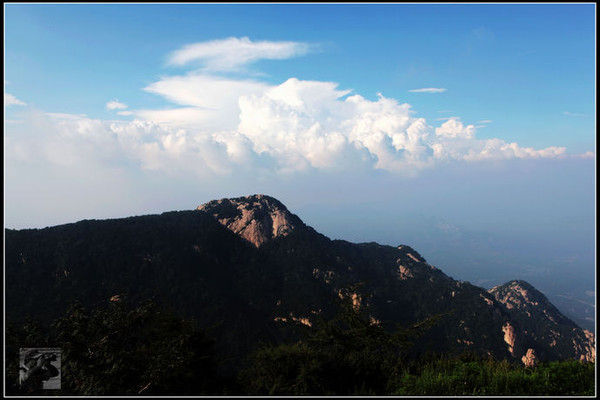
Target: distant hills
[254,272]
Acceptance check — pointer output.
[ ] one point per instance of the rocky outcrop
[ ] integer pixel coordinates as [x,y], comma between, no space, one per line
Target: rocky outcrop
[529,359]
[588,347]
[257,218]
[541,324]
[516,294]
[292,318]
[509,337]
[404,272]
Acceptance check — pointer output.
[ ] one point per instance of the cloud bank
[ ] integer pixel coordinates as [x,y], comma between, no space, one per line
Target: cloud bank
[221,125]
[224,125]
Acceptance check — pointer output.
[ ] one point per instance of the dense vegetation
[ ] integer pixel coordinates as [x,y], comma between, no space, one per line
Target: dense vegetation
[118,349]
[247,320]
[473,376]
[189,262]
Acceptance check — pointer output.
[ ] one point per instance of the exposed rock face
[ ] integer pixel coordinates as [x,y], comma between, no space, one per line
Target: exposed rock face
[356,298]
[509,337]
[588,350]
[257,218]
[404,273]
[515,294]
[292,318]
[529,359]
[542,324]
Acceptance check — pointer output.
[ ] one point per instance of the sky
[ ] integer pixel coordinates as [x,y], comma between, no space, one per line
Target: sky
[366,120]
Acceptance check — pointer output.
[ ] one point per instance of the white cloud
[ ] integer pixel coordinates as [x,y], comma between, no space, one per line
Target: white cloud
[210,103]
[485,121]
[115,105]
[219,126]
[66,116]
[10,100]
[454,128]
[498,150]
[428,90]
[587,154]
[570,114]
[301,125]
[224,126]
[232,53]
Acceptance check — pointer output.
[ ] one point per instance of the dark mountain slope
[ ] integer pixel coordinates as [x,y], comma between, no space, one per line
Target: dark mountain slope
[251,268]
[184,260]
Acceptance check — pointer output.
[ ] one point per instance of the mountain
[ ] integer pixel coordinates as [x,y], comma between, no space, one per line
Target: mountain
[254,272]
[541,324]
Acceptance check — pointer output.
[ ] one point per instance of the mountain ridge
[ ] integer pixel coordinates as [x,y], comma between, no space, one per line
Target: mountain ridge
[252,265]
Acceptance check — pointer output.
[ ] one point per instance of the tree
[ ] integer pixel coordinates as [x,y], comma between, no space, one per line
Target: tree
[31,333]
[118,350]
[348,355]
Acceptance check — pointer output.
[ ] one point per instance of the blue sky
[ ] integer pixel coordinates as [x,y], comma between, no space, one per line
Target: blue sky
[530,69]
[273,98]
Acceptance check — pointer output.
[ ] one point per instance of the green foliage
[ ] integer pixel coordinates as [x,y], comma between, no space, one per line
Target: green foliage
[489,377]
[31,333]
[118,350]
[347,355]
[350,355]
[121,350]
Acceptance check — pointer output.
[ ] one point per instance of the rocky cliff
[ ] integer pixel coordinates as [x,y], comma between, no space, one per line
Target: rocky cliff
[543,328]
[257,218]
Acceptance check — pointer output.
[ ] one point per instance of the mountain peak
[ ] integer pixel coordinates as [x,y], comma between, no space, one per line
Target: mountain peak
[257,218]
[532,310]
[519,294]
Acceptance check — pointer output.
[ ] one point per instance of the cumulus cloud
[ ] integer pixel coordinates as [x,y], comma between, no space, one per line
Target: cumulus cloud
[428,90]
[232,53]
[454,128]
[115,105]
[10,100]
[218,126]
[292,127]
